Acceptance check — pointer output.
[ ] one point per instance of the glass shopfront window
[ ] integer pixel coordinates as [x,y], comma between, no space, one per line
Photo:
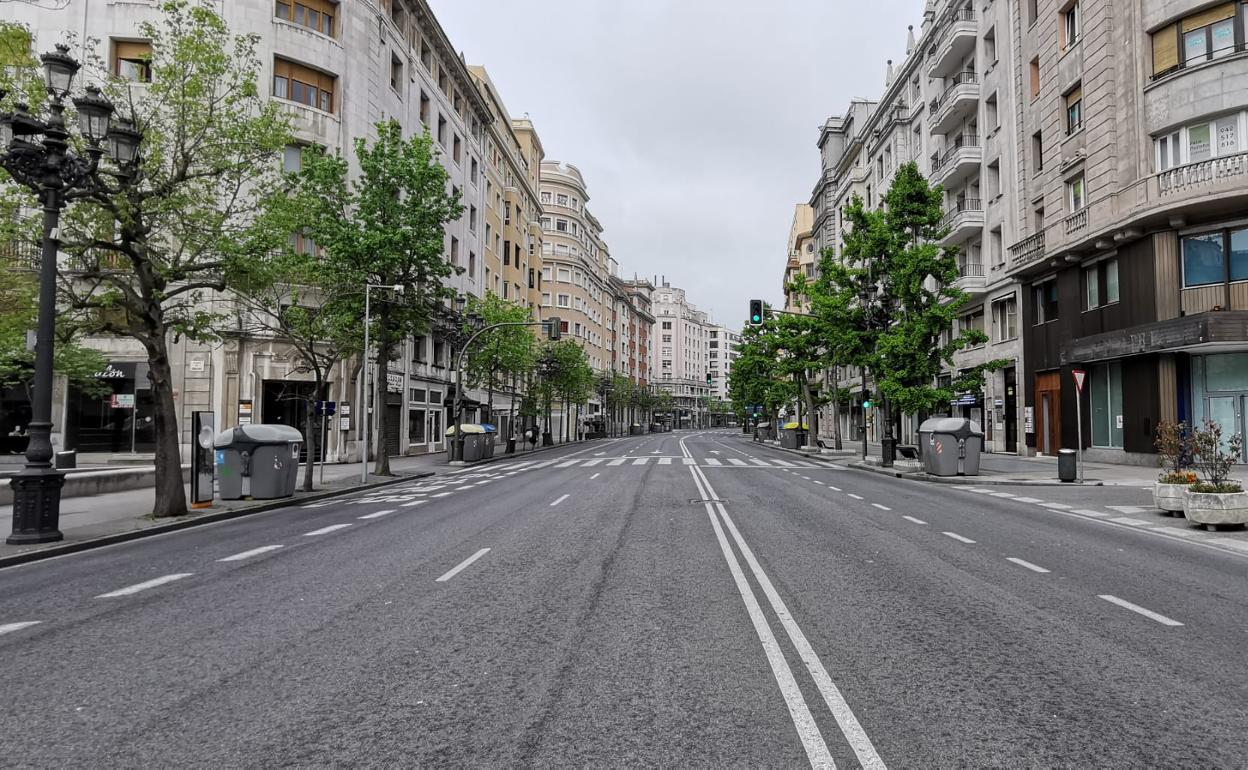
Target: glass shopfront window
[119,420]
[1105,401]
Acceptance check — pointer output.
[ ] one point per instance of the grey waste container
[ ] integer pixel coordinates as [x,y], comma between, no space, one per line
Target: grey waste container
[475,439]
[953,446]
[635,430]
[491,436]
[1067,465]
[257,461]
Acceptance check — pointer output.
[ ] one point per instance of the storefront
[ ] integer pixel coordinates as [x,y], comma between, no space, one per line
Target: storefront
[118,420]
[1220,391]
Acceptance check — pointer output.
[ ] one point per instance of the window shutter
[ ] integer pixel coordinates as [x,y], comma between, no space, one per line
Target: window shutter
[131,50]
[1074,95]
[1204,19]
[1165,49]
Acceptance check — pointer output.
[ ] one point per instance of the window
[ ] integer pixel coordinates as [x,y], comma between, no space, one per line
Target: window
[996,244]
[472,173]
[1035,77]
[1092,287]
[1037,151]
[1105,400]
[1167,151]
[1072,24]
[316,15]
[564,300]
[545,299]
[972,321]
[304,85]
[1205,257]
[454,251]
[564,275]
[1075,196]
[426,55]
[1032,12]
[1074,110]
[561,225]
[292,159]
[1110,269]
[457,149]
[472,265]
[991,117]
[994,179]
[562,200]
[990,48]
[1005,319]
[396,73]
[545,197]
[424,108]
[1045,301]
[667,325]
[442,130]
[472,218]
[132,61]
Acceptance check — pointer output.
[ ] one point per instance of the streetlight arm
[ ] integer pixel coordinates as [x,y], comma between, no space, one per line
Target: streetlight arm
[459,377]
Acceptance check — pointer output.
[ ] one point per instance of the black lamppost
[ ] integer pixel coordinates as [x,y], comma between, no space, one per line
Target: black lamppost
[37,155]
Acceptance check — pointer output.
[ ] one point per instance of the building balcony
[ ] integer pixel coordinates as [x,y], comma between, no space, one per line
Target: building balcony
[964,220]
[1203,174]
[970,277]
[1027,250]
[959,101]
[957,42]
[957,162]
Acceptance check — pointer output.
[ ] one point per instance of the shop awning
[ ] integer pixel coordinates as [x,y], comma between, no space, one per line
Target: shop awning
[1210,332]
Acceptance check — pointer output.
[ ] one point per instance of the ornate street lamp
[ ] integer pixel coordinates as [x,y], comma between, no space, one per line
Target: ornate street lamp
[36,154]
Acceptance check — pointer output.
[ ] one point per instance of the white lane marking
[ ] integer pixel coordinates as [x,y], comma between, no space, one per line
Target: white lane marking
[807,729]
[712,461]
[592,463]
[326,530]
[761,463]
[7,628]
[854,734]
[1028,500]
[251,553]
[1057,506]
[1000,494]
[567,464]
[1162,619]
[596,475]
[688,460]
[804,464]
[882,507]
[560,500]
[957,537]
[483,481]
[1127,508]
[599,454]
[462,565]
[618,461]
[856,497]
[1087,512]
[545,464]
[834,489]
[735,461]
[820,483]
[805,477]
[1027,564]
[641,461]
[783,463]
[146,584]
[912,519]
[379,514]
[665,461]
[655,452]
[1130,522]
[982,491]
[413,503]
[443,494]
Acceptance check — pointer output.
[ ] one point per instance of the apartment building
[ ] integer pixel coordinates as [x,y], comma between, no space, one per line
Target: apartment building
[336,68]
[629,329]
[803,259]
[1133,250]
[683,357]
[721,353]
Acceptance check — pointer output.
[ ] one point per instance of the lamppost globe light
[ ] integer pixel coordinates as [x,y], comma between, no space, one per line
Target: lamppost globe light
[94,115]
[123,142]
[59,69]
[398,288]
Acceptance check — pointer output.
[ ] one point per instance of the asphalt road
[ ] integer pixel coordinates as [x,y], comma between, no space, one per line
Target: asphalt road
[681,599]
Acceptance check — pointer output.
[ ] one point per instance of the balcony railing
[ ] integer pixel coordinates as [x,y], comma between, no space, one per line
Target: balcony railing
[1204,172]
[961,207]
[1077,221]
[1028,249]
[959,79]
[966,140]
[970,269]
[19,255]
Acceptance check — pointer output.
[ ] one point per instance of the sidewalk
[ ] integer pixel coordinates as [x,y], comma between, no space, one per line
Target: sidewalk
[117,516]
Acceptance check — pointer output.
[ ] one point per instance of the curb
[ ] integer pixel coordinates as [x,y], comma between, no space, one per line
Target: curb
[209,518]
[973,481]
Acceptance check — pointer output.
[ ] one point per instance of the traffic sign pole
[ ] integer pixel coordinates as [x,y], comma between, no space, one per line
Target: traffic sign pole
[1079,375]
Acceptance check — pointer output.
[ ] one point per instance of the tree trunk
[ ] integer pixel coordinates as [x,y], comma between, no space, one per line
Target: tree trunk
[170,492]
[381,388]
[811,437]
[313,437]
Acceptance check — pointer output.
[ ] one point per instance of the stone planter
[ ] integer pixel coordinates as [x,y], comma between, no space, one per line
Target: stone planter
[1169,497]
[1214,510]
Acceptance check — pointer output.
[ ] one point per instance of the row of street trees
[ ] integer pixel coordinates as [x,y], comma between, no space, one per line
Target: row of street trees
[888,306]
[205,236]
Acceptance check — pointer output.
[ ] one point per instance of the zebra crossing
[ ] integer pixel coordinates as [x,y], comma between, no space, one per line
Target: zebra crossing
[646,460]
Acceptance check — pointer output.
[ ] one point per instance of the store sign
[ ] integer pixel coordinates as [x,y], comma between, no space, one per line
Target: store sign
[244,411]
[196,365]
[110,373]
[394,382]
[122,401]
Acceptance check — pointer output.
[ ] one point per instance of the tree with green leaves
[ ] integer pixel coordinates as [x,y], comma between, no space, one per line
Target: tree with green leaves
[149,248]
[499,355]
[384,227]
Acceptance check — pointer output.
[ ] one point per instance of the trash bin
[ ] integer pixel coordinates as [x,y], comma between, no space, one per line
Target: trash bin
[474,441]
[491,437]
[1067,465]
[257,461]
[634,430]
[951,446]
[793,435]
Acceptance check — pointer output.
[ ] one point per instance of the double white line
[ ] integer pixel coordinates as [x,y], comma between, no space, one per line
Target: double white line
[807,729]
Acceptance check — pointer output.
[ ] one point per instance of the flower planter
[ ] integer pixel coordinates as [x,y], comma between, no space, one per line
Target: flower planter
[1169,497]
[1213,510]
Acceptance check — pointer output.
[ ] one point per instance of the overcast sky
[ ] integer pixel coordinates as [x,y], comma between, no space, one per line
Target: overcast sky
[694,121]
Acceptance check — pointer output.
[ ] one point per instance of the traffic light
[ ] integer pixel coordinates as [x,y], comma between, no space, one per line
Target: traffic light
[554,328]
[866,399]
[756,312]
[708,378]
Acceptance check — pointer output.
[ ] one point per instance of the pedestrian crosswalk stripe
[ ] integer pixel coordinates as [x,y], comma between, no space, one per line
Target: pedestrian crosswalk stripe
[805,464]
[593,462]
[617,461]
[544,464]
[640,461]
[665,461]
[713,461]
[735,461]
[762,463]
[567,464]
[689,461]
[783,463]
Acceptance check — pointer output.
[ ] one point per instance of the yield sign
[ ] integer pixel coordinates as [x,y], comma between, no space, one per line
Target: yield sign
[1080,374]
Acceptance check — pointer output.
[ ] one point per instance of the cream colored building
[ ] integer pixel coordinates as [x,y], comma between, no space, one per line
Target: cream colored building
[803,257]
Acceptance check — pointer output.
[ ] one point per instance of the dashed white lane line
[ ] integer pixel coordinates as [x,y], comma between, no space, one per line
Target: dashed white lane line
[560,500]
[462,565]
[596,475]
[1056,506]
[443,494]
[483,481]
[146,584]
[326,530]
[856,497]
[958,537]
[834,489]
[1162,619]
[8,628]
[914,520]
[413,503]
[980,491]
[1000,494]
[1027,564]
[1028,500]
[881,507]
[378,514]
[820,483]
[251,553]
[1126,508]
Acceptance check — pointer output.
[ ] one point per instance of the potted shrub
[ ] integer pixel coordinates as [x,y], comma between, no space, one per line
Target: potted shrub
[1174,450]
[1216,501]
